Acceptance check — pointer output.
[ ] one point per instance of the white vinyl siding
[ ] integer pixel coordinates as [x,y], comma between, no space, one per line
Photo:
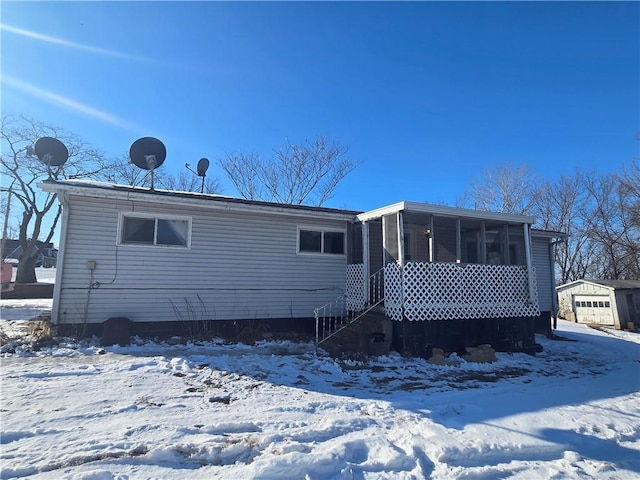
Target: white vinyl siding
[239,266]
[542,262]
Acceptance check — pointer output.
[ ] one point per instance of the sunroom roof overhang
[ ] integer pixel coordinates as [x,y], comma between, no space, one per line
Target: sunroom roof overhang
[444,211]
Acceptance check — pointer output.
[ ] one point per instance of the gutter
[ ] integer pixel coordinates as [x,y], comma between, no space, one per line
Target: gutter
[212,203]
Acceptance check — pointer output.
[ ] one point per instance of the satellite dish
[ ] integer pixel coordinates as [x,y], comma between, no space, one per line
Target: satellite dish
[51,151]
[148,153]
[203,165]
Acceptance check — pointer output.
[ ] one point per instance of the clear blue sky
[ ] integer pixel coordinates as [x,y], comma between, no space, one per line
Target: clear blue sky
[426,95]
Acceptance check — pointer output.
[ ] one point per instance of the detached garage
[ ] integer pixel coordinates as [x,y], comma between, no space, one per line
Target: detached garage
[615,303]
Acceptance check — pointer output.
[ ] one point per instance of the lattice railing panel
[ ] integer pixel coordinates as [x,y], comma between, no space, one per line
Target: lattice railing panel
[443,291]
[355,287]
[393,291]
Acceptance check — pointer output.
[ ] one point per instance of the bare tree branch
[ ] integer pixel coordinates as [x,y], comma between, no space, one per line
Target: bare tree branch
[122,171]
[505,189]
[306,173]
[18,134]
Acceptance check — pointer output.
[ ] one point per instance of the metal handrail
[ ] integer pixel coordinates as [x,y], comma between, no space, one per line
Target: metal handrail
[336,315]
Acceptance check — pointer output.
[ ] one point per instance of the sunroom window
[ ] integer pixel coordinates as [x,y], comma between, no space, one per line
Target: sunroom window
[151,230]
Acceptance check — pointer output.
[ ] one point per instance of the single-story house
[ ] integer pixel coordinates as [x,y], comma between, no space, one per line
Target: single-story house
[614,303]
[176,262]
[12,251]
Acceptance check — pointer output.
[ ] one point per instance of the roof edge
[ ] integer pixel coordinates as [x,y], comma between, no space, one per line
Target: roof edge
[444,210]
[106,190]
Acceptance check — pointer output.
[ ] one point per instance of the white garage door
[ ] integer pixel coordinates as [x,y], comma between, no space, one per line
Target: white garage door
[593,309]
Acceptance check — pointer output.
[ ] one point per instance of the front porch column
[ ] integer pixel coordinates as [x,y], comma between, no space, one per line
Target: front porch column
[400,239]
[458,241]
[366,260]
[431,239]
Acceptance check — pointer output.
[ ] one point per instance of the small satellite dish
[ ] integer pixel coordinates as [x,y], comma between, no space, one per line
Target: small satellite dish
[51,151]
[147,153]
[203,165]
[201,170]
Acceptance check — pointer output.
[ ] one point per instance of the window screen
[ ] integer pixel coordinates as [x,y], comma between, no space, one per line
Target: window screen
[334,242]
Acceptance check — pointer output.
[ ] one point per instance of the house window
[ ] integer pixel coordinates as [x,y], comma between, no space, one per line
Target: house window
[310,241]
[319,241]
[154,230]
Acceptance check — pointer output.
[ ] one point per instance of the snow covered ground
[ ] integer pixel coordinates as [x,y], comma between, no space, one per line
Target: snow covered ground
[43,275]
[277,411]
[22,309]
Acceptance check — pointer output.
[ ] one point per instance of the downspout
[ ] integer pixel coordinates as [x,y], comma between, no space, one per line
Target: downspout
[554,295]
[527,252]
[91,266]
[63,198]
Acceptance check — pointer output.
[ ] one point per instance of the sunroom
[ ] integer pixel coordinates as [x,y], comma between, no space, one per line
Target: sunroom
[468,274]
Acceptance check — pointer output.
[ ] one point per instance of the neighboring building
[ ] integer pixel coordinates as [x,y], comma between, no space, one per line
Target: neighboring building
[614,303]
[12,251]
[169,261]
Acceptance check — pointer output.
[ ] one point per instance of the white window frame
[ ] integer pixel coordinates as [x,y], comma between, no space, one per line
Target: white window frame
[183,218]
[322,230]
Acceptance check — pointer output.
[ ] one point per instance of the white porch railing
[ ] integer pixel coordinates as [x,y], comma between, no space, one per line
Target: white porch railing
[431,291]
[445,291]
[360,298]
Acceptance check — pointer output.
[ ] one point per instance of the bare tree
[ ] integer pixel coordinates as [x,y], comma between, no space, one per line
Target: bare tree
[22,171]
[613,227]
[630,189]
[124,172]
[505,189]
[189,182]
[306,173]
[244,171]
[563,206]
